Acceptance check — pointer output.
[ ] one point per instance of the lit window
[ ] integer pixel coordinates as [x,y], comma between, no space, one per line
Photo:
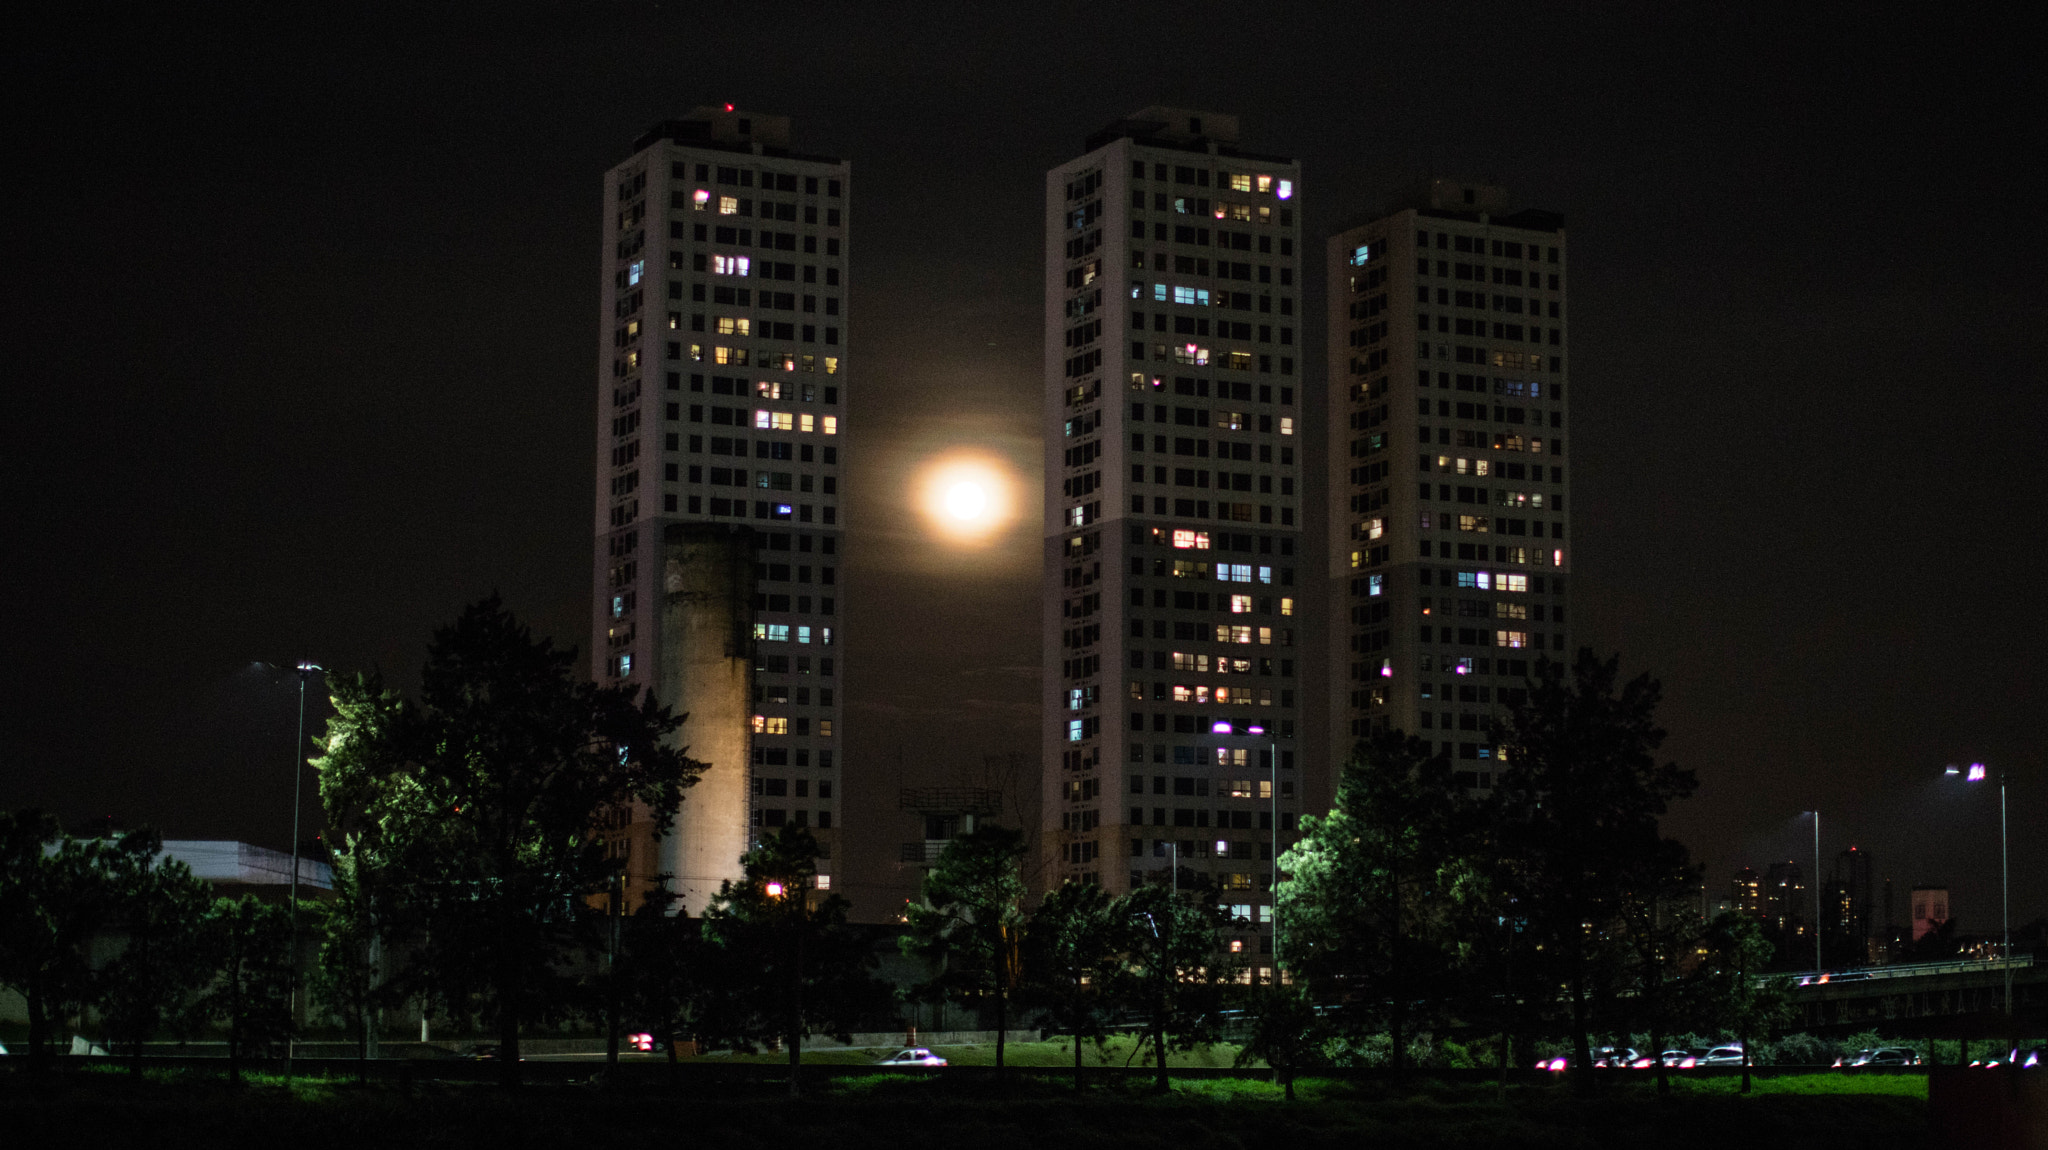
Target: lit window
[772,632]
[1199,540]
[731,265]
[1513,582]
[830,424]
[634,270]
[825,880]
[1074,728]
[731,325]
[1375,584]
[1234,572]
[831,365]
[824,636]
[735,356]
[824,728]
[1240,182]
[1462,667]
[1199,356]
[1223,850]
[774,421]
[768,389]
[1373,529]
[1285,190]
[1265,574]
[1183,295]
[1287,425]
[625,664]
[1231,420]
[1240,604]
[1510,638]
[1360,255]
[728,205]
[1240,361]
[1477,523]
[764,725]
[1265,183]
[803,634]
[1286,608]
[1158,293]
[806,422]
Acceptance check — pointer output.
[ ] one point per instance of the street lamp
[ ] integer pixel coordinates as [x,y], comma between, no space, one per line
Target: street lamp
[1273,831]
[305,670]
[1977,773]
[1817,964]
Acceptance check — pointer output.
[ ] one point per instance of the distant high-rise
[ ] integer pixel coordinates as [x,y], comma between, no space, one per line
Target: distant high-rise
[1173,621]
[1853,887]
[722,406]
[1748,893]
[1449,543]
[1930,910]
[1785,899]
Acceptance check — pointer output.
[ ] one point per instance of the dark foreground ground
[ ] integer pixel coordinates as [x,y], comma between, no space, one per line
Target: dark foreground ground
[103,1109]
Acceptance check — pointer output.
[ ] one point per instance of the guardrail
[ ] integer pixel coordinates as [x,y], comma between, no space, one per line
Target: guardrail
[1903,970]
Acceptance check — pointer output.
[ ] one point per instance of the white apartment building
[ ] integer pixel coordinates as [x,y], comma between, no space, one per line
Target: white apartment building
[723,404]
[1450,543]
[1175,637]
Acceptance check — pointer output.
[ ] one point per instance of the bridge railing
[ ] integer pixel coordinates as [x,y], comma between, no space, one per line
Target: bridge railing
[1905,970]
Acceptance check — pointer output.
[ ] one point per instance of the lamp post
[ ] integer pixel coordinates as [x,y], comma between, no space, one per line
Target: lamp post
[305,670]
[1818,966]
[1273,830]
[1977,773]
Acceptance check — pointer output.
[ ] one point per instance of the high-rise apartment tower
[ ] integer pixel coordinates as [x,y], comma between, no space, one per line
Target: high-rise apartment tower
[722,396]
[1173,625]
[1450,551]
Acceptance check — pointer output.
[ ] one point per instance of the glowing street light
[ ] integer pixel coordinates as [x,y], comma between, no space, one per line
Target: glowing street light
[1225,727]
[774,890]
[306,671]
[1977,773]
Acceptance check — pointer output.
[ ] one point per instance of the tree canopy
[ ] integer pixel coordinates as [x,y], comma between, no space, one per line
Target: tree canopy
[477,805]
[969,917]
[1579,799]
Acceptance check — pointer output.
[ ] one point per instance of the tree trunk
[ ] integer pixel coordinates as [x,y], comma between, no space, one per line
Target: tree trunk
[1077,1047]
[1582,1046]
[38,1032]
[1002,1023]
[796,1012]
[509,997]
[1745,1060]
[1394,978]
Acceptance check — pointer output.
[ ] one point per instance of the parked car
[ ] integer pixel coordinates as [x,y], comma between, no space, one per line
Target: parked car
[1722,1056]
[1614,1057]
[1879,1056]
[912,1056]
[1680,1059]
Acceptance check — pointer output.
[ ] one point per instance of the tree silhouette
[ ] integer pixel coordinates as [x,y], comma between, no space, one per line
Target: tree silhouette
[968,919]
[1579,799]
[475,808]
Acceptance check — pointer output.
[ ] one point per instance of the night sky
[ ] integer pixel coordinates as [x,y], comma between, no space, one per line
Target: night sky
[302,319]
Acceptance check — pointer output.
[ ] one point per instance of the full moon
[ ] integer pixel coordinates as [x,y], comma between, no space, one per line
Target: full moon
[968,497]
[966,500]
